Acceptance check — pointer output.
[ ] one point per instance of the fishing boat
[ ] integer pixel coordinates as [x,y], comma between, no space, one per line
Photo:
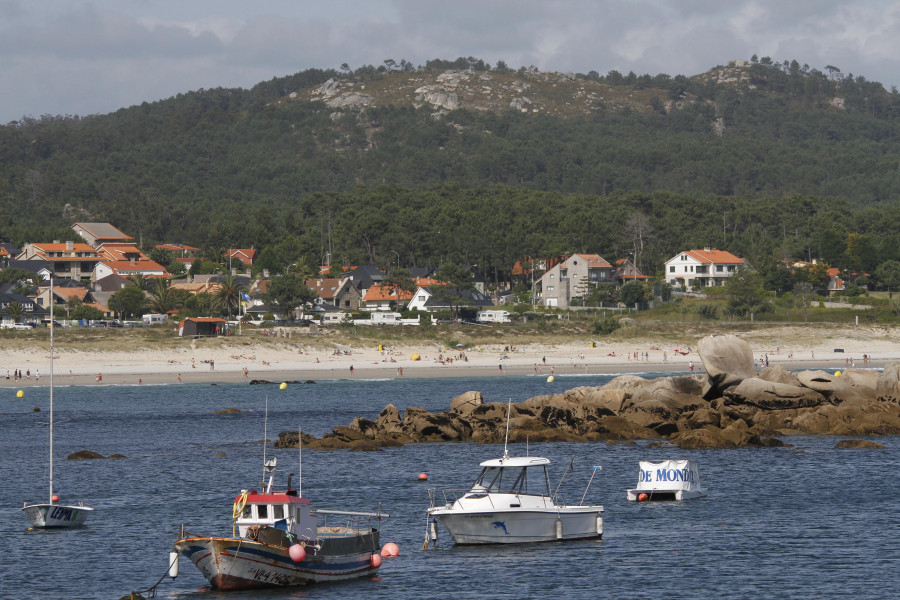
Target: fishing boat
[667,480]
[278,540]
[509,503]
[52,513]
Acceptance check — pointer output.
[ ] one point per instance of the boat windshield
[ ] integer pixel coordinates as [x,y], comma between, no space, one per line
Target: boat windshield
[510,480]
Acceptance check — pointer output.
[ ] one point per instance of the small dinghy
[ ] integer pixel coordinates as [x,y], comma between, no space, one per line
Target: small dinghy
[667,480]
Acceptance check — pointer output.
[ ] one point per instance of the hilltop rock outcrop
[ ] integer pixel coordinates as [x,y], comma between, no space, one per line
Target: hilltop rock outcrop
[729,407]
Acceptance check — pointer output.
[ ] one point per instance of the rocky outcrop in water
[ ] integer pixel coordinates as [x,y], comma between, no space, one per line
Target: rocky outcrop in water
[731,406]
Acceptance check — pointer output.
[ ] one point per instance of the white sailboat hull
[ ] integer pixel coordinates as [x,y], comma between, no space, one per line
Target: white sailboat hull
[522,526]
[56,515]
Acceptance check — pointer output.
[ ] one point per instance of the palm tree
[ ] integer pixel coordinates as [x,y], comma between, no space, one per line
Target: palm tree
[228,295]
[161,299]
[138,280]
[15,310]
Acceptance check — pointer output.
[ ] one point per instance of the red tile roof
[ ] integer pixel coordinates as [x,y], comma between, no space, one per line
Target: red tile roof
[715,256]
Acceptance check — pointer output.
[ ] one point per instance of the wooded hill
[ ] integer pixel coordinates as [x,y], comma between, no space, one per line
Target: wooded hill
[461,161]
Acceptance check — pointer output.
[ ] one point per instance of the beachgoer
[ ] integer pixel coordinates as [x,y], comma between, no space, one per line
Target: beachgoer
[351,369]
[179,378]
[691,366]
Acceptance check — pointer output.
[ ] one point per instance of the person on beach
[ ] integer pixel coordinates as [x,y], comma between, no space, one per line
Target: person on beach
[691,366]
[351,369]
[37,374]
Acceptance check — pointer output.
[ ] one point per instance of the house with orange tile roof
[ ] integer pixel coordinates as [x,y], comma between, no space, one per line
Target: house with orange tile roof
[335,293]
[572,278]
[707,267]
[179,250]
[380,297]
[627,271]
[96,234]
[75,260]
[247,256]
[62,295]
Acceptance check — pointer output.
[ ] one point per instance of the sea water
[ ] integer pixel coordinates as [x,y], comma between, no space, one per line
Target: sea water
[807,521]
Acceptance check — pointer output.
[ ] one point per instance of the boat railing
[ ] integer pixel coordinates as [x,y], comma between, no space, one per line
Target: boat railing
[348,522]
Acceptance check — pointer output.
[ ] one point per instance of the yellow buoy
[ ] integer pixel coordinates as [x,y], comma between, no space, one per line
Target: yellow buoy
[20,394]
[551,379]
[283,385]
[837,373]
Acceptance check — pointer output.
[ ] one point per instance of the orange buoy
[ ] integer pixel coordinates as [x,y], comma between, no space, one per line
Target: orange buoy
[375,561]
[643,498]
[54,498]
[423,477]
[390,549]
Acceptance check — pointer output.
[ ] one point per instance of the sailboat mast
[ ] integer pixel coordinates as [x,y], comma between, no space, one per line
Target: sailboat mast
[51,382]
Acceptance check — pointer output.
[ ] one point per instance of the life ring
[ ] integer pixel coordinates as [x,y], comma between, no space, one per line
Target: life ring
[239,505]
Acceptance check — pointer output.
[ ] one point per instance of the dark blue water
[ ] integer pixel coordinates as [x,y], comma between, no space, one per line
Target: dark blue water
[801,522]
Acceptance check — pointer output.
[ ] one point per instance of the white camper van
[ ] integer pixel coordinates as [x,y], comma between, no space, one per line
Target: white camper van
[492,316]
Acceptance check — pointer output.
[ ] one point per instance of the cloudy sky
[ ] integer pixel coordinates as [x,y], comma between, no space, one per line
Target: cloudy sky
[75,57]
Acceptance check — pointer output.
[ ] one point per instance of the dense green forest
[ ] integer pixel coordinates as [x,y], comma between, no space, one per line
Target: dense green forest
[792,175]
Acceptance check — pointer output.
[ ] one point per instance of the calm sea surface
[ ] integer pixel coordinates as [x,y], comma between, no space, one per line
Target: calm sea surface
[802,522]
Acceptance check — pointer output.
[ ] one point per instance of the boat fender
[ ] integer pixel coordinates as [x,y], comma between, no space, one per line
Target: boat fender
[173,565]
[559,529]
[297,553]
[375,561]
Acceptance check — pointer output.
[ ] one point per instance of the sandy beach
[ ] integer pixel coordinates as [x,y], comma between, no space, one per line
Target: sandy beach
[297,359]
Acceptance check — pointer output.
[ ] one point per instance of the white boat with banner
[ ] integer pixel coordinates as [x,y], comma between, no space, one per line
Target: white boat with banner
[510,502]
[52,513]
[667,480]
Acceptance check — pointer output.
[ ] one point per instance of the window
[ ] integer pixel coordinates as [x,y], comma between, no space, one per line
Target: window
[262,511]
[552,275]
[277,512]
[549,288]
[672,269]
[720,269]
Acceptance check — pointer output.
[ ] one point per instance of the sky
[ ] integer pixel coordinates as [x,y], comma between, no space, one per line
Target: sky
[75,57]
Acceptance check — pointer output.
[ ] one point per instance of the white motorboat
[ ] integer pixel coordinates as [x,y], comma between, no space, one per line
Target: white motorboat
[667,480]
[52,513]
[510,502]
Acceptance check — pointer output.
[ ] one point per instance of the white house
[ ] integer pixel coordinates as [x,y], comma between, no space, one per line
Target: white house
[702,268]
[573,278]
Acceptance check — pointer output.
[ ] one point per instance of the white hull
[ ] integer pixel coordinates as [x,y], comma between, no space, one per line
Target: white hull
[522,526]
[56,515]
[240,564]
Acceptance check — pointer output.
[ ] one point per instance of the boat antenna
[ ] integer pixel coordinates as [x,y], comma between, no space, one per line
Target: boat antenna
[506,441]
[593,472]
[51,381]
[265,438]
[300,453]
[569,468]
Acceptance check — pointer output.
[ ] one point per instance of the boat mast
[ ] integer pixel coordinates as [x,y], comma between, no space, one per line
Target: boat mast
[300,453]
[265,439]
[506,441]
[51,381]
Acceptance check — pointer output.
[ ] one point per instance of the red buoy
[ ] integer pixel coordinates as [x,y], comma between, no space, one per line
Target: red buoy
[54,498]
[375,561]
[643,498]
[297,553]
[390,549]
[423,477]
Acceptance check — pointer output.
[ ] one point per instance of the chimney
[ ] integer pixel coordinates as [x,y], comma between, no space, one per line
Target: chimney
[265,273]
[132,261]
[70,245]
